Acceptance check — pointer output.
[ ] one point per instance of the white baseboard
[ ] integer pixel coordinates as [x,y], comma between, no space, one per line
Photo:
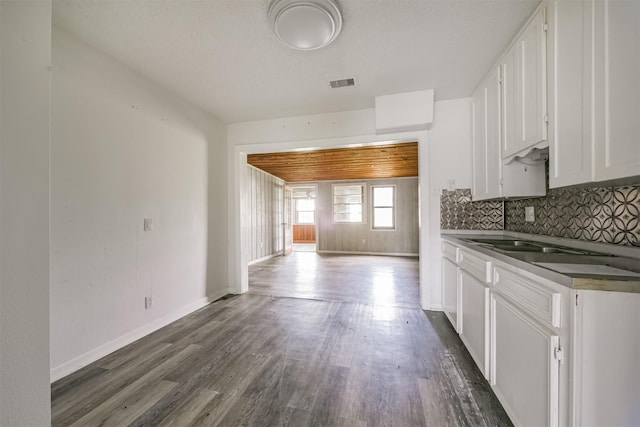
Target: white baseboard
[436,307]
[91,356]
[369,253]
[264,258]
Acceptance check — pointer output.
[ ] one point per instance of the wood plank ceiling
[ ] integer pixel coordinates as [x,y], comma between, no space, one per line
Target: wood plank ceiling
[379,161]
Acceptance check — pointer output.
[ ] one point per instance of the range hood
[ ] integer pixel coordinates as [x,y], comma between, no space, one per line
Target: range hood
[533,155]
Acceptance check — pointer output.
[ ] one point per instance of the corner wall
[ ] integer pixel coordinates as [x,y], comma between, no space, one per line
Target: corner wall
[449,165]
[25,58]
[124,149]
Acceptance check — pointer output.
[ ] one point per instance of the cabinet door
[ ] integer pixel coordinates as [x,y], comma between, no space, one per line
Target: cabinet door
[511,114]
[479,187]
[493,122]
[525,89]
[450,291]
[524,371]
[487,166]
[475,319]
[570,94]
[533,50]
[605,363]
[617,89]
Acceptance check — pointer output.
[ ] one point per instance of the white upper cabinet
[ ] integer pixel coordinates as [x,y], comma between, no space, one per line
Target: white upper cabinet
[478,144]
[533,48]
[617,89]
[492,141]
[570,56]
[524,70]
[594,91]
[486,139]
[492,179]
[511,114]
[509,119]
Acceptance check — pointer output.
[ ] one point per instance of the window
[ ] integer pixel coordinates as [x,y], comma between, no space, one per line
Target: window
[383,203]
[305,211]
[348,201]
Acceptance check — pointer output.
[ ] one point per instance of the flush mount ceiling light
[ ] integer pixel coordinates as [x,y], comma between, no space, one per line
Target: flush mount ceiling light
[305,24]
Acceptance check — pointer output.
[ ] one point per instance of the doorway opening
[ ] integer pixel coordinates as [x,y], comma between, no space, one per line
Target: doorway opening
[304,217]
[241,226]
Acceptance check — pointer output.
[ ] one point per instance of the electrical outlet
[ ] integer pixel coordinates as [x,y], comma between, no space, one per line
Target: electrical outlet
[529,214]
[148,224]
[148,302]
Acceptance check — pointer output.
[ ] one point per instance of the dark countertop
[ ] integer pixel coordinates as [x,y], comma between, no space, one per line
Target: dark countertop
[528,261]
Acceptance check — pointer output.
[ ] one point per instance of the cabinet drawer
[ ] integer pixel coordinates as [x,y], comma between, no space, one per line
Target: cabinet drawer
[450,251]
[476,266]
[538,300]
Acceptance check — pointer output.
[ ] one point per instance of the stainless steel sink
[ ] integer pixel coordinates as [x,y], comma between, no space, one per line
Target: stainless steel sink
[528,246]
[502,242]
[556,250]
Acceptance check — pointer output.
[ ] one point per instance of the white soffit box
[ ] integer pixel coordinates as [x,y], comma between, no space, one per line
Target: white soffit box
[402,112]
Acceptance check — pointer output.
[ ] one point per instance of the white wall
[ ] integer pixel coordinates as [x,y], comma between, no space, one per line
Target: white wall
[25,57]
[124,149]
[449,159]
[304,128]
[342,129]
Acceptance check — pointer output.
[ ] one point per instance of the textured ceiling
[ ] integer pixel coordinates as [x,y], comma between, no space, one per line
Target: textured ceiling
[222,56]
[380,161]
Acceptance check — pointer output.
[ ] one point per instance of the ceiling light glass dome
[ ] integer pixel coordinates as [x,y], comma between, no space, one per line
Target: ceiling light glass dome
[305,24]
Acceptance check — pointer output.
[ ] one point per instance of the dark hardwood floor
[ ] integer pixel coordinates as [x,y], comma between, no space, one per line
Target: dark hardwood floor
[330,358]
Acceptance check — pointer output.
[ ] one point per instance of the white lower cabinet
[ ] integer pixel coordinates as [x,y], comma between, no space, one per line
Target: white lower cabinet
[474,327]
[513,328]
[450,291]
[606,359]
[554,356]
[524,369]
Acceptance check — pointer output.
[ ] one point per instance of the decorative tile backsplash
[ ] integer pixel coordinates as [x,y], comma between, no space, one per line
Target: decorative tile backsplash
[609,215]
[606,214]
[458,212]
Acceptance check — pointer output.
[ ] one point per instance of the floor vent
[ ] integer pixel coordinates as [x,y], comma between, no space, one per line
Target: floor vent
[335,84]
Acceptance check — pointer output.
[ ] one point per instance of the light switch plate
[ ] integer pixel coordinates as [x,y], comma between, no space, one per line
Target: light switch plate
[529,214]
[148,224]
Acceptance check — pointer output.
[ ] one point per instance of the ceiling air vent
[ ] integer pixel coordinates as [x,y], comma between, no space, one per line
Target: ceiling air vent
[335,84]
